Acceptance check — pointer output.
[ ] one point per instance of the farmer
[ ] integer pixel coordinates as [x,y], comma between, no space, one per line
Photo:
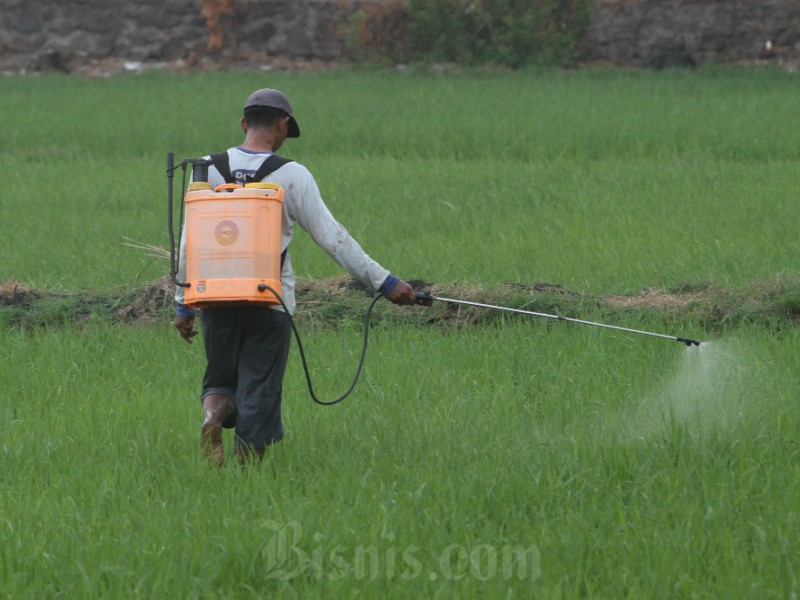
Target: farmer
[247,346]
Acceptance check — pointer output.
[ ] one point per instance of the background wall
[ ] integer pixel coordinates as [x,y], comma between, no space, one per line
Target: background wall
[64,34]
[657,33]
[69,34]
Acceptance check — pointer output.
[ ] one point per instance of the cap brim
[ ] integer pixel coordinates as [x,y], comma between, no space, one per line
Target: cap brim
[294,128]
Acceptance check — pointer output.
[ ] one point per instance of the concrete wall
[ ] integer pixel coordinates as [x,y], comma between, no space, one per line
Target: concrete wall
[66,34]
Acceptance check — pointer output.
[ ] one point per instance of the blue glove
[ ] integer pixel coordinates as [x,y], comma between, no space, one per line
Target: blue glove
[388,285]
[184,311]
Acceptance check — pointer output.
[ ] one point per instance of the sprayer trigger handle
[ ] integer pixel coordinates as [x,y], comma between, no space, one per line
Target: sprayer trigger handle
[424,299]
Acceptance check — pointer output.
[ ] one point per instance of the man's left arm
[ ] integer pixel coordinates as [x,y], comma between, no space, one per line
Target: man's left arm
[314,216]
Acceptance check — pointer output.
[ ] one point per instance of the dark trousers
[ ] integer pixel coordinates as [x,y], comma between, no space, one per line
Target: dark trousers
[246,348]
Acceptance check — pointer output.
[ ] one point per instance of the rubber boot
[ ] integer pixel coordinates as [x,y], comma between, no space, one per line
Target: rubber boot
[217,410]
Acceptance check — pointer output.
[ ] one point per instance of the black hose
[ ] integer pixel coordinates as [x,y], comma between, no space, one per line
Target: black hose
[303,355]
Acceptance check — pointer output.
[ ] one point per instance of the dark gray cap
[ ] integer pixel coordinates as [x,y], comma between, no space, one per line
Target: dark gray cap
[275,99]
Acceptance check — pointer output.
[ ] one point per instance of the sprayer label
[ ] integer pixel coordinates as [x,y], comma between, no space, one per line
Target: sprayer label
[226,232]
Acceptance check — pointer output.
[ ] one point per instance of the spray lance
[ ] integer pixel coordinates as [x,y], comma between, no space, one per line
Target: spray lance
[427,299]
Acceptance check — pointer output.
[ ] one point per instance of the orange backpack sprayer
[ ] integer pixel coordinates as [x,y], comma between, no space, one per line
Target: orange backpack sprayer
[233,242]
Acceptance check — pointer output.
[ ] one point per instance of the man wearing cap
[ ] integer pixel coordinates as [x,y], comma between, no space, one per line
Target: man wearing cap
[247,346]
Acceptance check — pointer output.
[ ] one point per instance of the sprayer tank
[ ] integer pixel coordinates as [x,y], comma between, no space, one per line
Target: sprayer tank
[233,244]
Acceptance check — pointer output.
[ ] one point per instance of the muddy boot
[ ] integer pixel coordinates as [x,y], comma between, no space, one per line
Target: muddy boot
[218,410]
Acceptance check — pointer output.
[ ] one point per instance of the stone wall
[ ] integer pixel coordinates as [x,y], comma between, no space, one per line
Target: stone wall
[660,33]
[65,34]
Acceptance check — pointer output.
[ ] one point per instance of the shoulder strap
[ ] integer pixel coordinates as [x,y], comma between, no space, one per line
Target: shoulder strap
[223,164]
[272,163]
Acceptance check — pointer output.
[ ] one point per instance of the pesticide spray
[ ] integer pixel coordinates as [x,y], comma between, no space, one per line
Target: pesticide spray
[710,389]
[233,255]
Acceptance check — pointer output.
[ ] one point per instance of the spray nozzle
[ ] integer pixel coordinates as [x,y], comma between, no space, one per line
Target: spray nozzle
[687,341]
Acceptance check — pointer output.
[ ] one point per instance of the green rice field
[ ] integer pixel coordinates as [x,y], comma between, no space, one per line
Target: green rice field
[511,457]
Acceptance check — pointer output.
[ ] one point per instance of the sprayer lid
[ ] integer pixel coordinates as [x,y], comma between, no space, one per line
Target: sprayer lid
[262,185]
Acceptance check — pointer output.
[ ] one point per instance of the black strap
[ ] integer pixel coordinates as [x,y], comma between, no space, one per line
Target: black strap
[223,165]
[272,163]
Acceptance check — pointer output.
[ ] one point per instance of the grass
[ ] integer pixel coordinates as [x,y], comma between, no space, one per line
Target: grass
[493,457]
[569,444]
[602,181]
